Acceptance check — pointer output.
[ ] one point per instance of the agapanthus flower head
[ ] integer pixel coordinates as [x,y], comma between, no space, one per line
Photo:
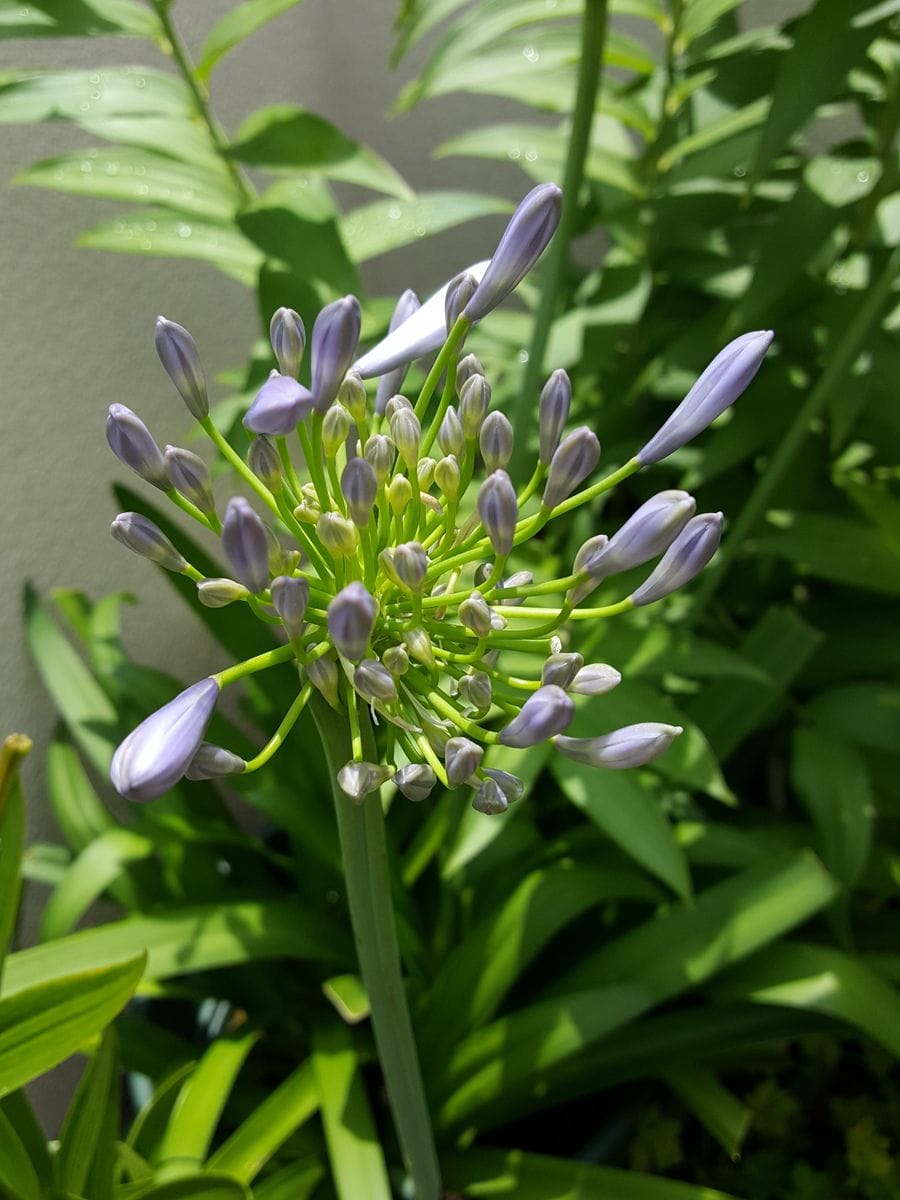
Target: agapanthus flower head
[389,557]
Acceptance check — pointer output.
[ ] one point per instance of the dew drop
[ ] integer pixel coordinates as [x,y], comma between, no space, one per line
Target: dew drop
[395,212]
[514,152]
[93,78]
[863,176]
[184,230]
[142,189]
[146,244]
[523,356]
[84,106]
[740,171]
[531,155]
[531,54]
[140,82]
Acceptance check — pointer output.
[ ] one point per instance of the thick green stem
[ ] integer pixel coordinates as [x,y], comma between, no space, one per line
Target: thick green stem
[368,881]
[593,39]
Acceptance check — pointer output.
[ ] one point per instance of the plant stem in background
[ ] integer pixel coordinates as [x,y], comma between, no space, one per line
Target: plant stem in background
[368,882]
[838,364]
[593,38]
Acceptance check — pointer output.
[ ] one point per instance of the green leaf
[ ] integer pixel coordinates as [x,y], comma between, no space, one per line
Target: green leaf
[138,177]
[714,1106]
[19,1116]
[191,939]
[43,1024]
[27,97]
[833,783]
[173,137]
[12,835]
[348,997]
[208,1186]
[296,1181]
[386,225]
[354,1148]
[726,128]
[486,1172]
[283,136]
[823,980]
[866,714]
[284,1110]
[629,813]
[76,18]
[16,1170]
[700,15]
[76,806]
[312,249]
[163,234]
[82,1128]
[238,23]
[97,866]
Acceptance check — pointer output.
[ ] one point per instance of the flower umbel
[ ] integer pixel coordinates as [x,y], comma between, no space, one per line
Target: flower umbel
[386,563]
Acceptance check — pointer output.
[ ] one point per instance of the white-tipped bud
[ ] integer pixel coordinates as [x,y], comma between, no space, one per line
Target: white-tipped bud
[460,291]
[462,758]
[475,614]
[418,643]
[447,476]
[415,781]
[562,669]
[469,365]
[425,472]
[352,395]
[141,536]
[360,779]
[474,402]
[399,494]
[217,593]
[335,427]
[596,679]
[450,434]
[631,746]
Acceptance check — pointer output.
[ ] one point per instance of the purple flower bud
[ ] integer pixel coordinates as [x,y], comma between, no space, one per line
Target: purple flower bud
[496,441]
[133,444]
[217,593]
[246,544]
[451,438]
[460,291]
[490,798]
[573,460]
[470,365]
[379,452]
[462,758]
[334,338]
[517,579]
[337,534]
[361,779]
[392,381]
[178,354]
[645,534]
[511,786]
[596,679]
[476,691]
[555,402]
[406,432]
[352,395]
[475,614]
[189,475]
[323,675]
[547,712]
[279,406]
[213,762]
[411,565]
[415,781]
[561,669]
[396,659]
[685,558]
[631,746]
[474,401]
[729,373]
[374,682]
[288,337]
[265,463]
[359,486]
[499,511]
[524,240]
[142,537]
[351,619]
[290,596]
[588,550]
[156,755]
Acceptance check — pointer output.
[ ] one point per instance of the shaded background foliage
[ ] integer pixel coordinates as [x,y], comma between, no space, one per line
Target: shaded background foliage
[741,982]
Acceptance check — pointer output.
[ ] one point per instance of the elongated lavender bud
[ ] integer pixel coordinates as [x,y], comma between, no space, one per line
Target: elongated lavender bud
[335,427]
[359,486]
[246,544]
[474,401]
[729,373]
[451,438]
[374,682]
[573,460]
[142,537]
[553,409]
[411,565]
[156,755]
[323,675]
[596,679]
[546,712]
[496,441]
[337,534]
[351,619]
[361,779]
[352,395]
[178,354]
[499,511]
[511,786]
[279,406]
[631,746]
[475,614]
[490,798]
[392,381]
[588,550]
[265,463]
[524,240]
[188,474]
[470,365]
[460,291]
[290,596]
[217,593]
[561,669]
[462,758]
[646,533]
[406,432]
[685,558]
[379,451]
[416,781]
[287,334]
[334,338]
[476,691]
[133,444]
[213,762]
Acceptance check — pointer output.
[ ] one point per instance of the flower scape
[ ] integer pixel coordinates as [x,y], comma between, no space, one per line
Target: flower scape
[394,595]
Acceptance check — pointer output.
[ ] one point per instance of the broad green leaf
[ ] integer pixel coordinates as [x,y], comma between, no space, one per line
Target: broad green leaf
[76,18]
[27,97]
[174,137]
[45,863]
[149,1124]
[43,1024]
[19,1116]
[185,941]
[841,181]
[16,1170]
[838,549]
[700,15]
[163,234]
[312,249]
[201,1100]
[77,808]
[865,714]
[629,813]
[296,1181]
[82,1128]
[882,509]
[285,1109]
[820,979]
[354,1148]
[486,1172]
[714,1106]
[386,225]
[12,835]
[832,781]
[724,129]
[237,24]
[208,1186]
[138,177]
[97,866]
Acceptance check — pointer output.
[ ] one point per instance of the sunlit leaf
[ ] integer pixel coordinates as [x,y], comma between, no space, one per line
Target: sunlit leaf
[76,18]
[238,23]
[30,96]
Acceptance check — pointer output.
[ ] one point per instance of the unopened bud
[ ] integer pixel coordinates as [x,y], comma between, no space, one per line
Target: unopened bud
[396,401]
[288,337]
[335,427]
[475,614]
[451,438]
[462,758]
[217,593]
[547,712]
[406,432]
[647,533]
[308,511]
[374,682]
[460,291]
[418,643]
[561,669]
[188,474]
[213,762]
[411,565]
[133,444]
[498,509]
[573,460]
[496,441]
[351,619]
[396,659]
[323,675]
[279,406]
[474,402]
[337,534]
[476,692]
[685,558]
[142,537]
[470,365]
[631,746]
[511,786]
[178,354]
[399,494]
[290,596]
[379,452]
[596,679]
[246,544]
[416,781]
[392,381]
[447,476]
[359,488]
[265,463]
[555,402]
[334,338]
[490,798]
[425,472]
[516,580]
[352,395]
[361,779]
